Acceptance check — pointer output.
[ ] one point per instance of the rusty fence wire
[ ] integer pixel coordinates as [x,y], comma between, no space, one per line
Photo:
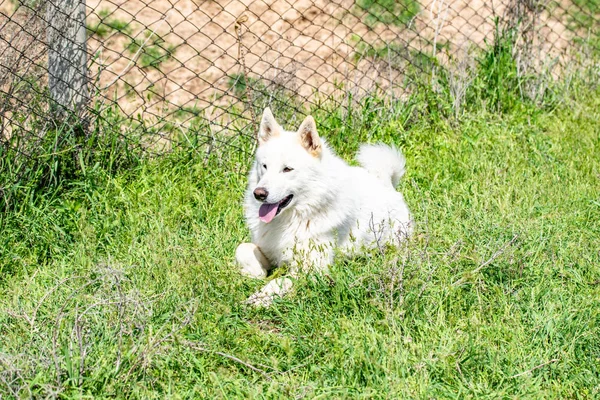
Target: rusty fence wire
[201,70]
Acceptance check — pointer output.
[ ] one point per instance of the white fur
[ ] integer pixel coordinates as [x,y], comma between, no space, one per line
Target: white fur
[385,162]
[334,205]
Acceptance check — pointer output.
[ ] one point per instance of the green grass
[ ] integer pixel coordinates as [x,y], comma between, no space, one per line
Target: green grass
[124,285]
[118,276]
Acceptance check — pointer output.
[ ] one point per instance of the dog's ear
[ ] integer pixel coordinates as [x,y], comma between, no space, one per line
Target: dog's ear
[309,138]
[268,127]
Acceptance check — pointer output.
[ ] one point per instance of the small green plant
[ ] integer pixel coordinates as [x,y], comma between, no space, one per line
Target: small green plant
[385,51]
[263,93]
[187,112]
[105,25]
[153,50]
[238,84]
[583,19]
[498,81]
[397,55]
[584,15]
[389,12]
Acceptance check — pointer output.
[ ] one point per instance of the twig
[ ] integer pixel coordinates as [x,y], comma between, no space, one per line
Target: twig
[495,255]
[145,354]
[10,369]
[489,261]
[380,245]
[208,112]
[395,278]
[195,346]
[58,321]
[536,367]
[48,293]
[121,313]
[80,341]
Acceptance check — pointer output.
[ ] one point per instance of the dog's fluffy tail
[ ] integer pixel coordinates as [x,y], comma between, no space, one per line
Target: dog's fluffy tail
[385,162]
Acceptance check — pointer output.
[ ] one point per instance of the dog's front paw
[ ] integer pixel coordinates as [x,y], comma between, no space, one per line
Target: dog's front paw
[264,297]
[259,300]
[251,261]
[252,272]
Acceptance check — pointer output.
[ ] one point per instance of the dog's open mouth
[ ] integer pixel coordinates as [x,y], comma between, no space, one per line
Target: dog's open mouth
[268,211]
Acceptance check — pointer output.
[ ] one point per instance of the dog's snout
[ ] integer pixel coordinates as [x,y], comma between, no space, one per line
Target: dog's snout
[261,193]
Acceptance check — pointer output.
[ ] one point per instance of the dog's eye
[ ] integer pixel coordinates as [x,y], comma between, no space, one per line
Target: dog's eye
[265,166]
[288,169]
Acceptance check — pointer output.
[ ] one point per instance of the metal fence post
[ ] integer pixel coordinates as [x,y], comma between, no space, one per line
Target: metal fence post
[67,56]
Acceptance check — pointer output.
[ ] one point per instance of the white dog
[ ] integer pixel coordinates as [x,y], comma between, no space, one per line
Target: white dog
[303,201]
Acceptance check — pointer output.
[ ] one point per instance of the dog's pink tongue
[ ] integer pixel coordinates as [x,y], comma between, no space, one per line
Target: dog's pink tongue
[267,212]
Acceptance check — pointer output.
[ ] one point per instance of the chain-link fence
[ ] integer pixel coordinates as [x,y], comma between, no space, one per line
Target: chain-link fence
[206,67]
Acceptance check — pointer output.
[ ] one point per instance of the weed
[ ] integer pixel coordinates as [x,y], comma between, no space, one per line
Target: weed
[389,12]
[583,14]
[274,94]
[152,50]
[239,82]
[106,25]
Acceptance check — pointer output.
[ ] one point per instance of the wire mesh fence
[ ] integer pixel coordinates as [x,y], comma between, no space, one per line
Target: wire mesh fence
[202,69]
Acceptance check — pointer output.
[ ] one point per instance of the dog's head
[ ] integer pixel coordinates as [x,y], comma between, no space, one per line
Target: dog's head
[286,165]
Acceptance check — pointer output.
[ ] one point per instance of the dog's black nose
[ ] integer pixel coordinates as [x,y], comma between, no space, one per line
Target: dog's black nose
[260,194]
